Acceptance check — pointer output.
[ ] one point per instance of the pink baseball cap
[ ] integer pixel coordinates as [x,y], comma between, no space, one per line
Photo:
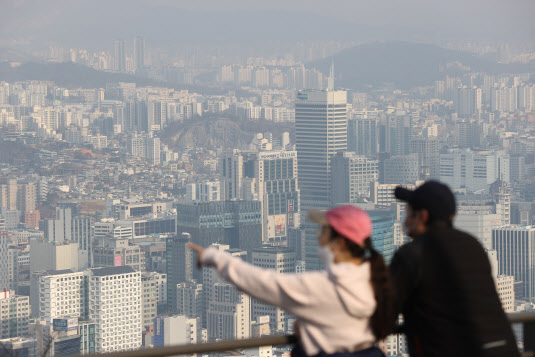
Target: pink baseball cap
[350,221]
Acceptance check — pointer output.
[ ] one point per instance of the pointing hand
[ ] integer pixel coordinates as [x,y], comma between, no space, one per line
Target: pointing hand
[199,250]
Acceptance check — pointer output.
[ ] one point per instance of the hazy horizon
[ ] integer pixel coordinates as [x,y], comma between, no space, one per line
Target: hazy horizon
[168,23]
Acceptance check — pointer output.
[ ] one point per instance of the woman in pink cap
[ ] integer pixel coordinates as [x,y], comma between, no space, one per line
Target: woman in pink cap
[340,311]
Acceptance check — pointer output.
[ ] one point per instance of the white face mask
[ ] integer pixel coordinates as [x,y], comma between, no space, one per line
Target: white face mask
[325,255]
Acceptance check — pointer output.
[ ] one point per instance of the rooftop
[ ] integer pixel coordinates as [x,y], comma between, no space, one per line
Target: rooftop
[112,271]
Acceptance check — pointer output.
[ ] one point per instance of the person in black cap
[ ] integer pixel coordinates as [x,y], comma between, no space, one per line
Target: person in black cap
[444,285]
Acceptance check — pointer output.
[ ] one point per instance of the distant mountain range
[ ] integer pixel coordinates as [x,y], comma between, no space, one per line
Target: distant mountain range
[405,65]
[69,75]
[399,64]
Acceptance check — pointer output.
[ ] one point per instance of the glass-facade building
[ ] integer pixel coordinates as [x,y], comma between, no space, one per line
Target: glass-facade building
[383,232]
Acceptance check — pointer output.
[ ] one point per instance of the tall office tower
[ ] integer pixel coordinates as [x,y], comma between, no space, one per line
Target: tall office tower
[158,281]
[8,193]
[6,263]
[395,133]
[59,229]
[276,174]
[129,116]
[179,266]
[229,313]
[190,300]
[210,278]
[515,246]
[115,307]
[119,58]
[232,171]
[59,293]
[149,299]
[139,52]
[156,116]
[467,101]
[83,235]
[282,260]
[362,136]
[517,168]
[14,314]
[153,150]
[320,132]
[26,197]
[401,169]
[461,168]
[526,97]
[351,177]
[468,133]
[428,150]
[236,223]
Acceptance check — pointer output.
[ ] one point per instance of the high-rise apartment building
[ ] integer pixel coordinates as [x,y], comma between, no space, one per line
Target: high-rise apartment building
[119,58]
[468,133]
[115,307]
[6,263]
[320,132]
[60,293]
[205,191]
[149,299]
[139,52]
[467,101]
[14,314]
[232,171]
[18,195]
[146,146]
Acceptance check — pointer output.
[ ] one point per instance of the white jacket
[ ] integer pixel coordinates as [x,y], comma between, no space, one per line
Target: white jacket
[332,307]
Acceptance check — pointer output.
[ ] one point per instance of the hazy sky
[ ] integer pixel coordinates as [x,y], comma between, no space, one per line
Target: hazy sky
[33,21]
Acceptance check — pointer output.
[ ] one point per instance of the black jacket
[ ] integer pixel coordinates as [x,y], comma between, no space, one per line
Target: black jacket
[448,298]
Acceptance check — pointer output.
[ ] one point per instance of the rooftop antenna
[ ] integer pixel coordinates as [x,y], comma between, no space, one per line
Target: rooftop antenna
[330,80]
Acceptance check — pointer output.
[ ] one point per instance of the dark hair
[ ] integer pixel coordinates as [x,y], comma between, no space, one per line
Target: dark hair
[383,319]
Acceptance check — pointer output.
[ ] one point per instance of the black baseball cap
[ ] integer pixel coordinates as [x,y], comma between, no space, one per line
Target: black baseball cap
[433,196]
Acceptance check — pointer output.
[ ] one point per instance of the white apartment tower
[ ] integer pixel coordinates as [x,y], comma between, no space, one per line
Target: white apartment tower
[61,294]
[115,307]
